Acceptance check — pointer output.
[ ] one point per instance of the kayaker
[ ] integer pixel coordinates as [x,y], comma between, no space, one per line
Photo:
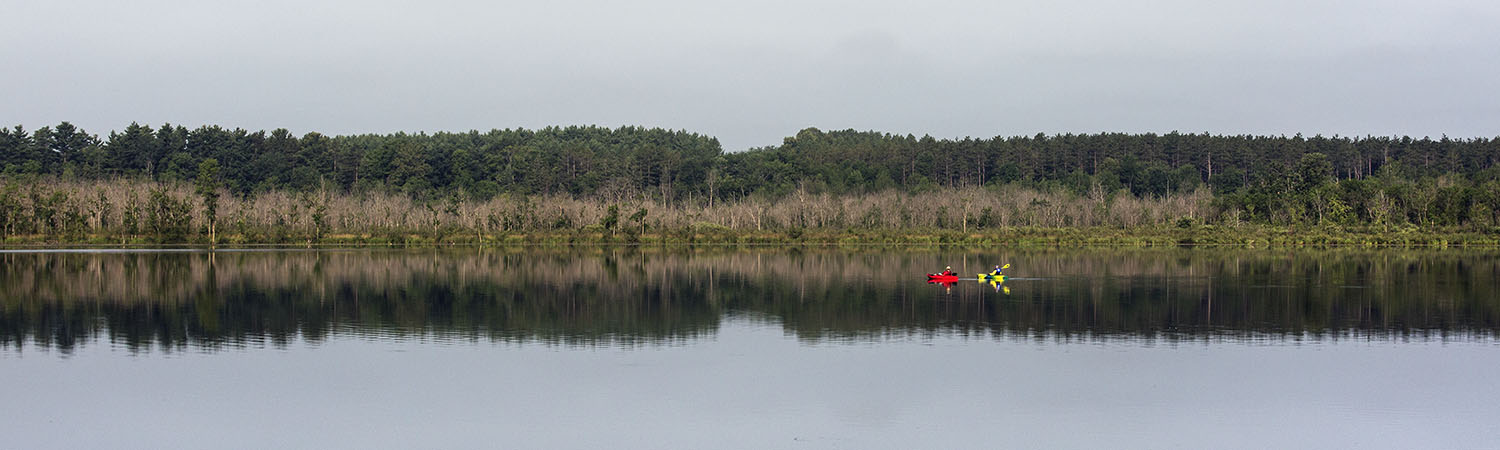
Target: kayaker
[948,270]
[998,271]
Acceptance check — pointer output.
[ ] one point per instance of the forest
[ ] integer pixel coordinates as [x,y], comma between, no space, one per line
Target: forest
[174,184]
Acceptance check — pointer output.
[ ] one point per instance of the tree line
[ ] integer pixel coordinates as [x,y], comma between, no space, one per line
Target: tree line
[553,160]
[1259,179]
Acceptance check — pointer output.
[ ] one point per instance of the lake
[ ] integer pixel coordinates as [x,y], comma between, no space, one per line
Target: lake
[774,347]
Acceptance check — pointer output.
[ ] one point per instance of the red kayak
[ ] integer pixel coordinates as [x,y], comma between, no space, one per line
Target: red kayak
[940,278]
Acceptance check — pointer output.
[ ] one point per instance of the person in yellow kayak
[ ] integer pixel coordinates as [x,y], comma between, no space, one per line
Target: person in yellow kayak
[997,274]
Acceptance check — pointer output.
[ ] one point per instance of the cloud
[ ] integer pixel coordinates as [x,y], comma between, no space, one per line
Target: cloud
[753,72]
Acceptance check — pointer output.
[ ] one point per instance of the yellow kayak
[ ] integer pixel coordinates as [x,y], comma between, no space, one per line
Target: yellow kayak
[987,278]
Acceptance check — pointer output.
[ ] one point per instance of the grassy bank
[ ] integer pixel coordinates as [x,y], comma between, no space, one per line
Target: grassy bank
[1243,236]
[48,212]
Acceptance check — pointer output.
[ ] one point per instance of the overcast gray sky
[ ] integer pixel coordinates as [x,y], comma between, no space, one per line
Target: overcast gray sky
[752,72]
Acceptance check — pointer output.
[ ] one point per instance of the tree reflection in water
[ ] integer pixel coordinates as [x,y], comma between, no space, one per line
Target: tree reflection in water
[628,296]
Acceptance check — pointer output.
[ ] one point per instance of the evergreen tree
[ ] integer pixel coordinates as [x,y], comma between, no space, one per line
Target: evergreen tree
[207,185]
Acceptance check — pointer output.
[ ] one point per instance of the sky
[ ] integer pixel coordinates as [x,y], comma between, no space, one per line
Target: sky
[753,72]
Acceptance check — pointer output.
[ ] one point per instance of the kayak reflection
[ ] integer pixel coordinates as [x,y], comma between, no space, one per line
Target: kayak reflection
[998,283]
[1000,286]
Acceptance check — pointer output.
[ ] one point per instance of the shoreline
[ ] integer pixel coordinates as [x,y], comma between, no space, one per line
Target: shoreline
[1208,236]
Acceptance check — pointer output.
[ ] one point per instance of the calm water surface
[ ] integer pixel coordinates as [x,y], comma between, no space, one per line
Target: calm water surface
[765,348]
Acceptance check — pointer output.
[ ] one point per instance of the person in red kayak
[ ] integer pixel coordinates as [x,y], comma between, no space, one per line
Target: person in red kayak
[947,271]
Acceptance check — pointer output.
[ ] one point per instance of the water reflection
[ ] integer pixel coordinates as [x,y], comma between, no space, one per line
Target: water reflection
[632,296]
